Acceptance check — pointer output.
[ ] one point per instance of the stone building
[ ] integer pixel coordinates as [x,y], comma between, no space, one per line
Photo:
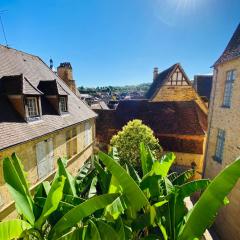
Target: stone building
[173,84]
[41,119]
[223,144]
[64,71]
[179,126]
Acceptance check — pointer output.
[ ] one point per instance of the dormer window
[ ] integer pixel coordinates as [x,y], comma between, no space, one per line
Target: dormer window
[63,104]
[32,107]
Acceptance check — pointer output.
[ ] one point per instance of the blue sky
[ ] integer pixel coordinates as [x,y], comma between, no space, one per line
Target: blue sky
[119,42]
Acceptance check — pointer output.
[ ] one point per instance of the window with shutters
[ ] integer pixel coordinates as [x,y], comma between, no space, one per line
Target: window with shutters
[220,146]
[45,158]
[231,75]
[71,139]
[87,134]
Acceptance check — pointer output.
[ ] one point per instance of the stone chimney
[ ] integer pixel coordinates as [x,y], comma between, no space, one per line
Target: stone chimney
[155,73]
[64,71]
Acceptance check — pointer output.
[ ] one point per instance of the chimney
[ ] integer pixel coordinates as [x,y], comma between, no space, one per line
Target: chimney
[64,71]
[155,73]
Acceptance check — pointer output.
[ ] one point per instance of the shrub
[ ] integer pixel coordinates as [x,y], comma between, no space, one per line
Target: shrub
[128,140]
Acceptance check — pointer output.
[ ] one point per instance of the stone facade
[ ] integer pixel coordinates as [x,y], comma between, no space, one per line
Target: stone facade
[75,143]
[227,119]
[64,71]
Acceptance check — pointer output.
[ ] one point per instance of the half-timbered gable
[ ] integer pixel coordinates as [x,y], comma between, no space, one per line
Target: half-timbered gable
[173,84]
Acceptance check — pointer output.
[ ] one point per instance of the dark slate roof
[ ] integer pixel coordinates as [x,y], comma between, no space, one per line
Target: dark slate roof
[162,76]
[17,84]
[51,87]
[174,123]
[203,85]
[13,130]
[233,48]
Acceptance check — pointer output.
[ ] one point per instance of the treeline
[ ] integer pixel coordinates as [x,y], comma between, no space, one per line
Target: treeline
[128,88]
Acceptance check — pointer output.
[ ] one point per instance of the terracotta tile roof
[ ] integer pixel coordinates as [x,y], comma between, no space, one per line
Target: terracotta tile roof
[203,85]
[174,123]
[13,129]
[232,50]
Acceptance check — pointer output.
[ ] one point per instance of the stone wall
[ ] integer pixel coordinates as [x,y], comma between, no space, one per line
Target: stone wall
[228,222]
[27,153]
[179,93]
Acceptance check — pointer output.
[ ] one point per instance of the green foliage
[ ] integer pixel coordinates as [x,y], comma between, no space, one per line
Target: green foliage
[110,201]
[128,140]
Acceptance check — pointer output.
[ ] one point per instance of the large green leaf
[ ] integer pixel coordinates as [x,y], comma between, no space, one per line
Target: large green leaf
[190,188]
[183,177]
[13,229]
[162,167]
[106,231]
[147,158]
[17,189]
[81,211]
[204,212]
[130,189]
[69,187]
[53,198]
[92,232]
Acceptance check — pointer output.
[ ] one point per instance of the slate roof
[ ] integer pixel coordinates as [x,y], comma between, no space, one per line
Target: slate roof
[203,85]
[51,87]
[17,84]
[232,50]
[13,129]
[174,123]
[162,76]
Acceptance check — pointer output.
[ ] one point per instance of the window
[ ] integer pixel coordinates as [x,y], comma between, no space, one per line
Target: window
[231,75]
[88,134]
[45,158]
[63,104]
[220,146]
[71,139]
[32,107]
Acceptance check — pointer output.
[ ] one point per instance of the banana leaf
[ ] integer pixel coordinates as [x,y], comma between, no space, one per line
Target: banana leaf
[204,211]
[106,231]
[13,229]
[16,186]
[69,187]
[53,198]
[183,177]
[130,189]
[147,159]
[81,211]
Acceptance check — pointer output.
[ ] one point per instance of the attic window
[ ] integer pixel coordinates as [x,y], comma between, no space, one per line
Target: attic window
[32,107]
[63,104]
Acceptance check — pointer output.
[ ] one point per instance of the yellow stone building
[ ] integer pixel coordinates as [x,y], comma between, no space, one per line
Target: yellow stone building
[41,119]
[223,144]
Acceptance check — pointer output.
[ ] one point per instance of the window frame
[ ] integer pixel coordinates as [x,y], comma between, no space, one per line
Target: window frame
[65,104]
[219,147]
[36,114]
[228,90]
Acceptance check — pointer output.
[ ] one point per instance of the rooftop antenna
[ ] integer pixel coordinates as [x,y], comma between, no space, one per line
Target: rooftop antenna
[4,34]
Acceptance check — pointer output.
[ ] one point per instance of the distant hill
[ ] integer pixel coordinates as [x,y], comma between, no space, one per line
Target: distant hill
[143,87]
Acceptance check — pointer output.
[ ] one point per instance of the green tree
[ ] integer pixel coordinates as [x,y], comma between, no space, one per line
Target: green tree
[128,140]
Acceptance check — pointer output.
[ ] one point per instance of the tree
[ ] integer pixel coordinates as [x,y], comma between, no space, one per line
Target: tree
[128,140]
